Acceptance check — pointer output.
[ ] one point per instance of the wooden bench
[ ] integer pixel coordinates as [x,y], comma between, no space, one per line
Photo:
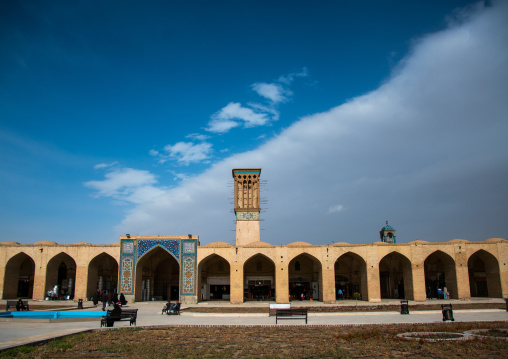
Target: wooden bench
[126,314]
[300,313]
[13,303]
[274,307]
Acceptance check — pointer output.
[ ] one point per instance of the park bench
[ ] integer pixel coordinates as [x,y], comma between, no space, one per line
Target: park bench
[274,307]
[125,315]
[12,304]
[300,313]
[175,310]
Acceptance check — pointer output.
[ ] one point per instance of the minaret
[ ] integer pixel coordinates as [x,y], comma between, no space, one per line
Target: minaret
[387,234]
[247,205]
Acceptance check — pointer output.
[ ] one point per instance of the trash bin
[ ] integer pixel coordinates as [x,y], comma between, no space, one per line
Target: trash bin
[404,307]
[447,312]
[80,303]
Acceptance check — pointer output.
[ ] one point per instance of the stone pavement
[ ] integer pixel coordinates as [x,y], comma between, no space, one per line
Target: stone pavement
[149,314]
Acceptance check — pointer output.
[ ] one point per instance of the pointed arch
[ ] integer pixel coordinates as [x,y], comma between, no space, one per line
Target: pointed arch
[259,278]
[157,275]
[61,276]
[351,276]
[306,280]
[214,278]
[484,278]
[19,277]
[102,274]
[157,246]
[396,276]
[440,273]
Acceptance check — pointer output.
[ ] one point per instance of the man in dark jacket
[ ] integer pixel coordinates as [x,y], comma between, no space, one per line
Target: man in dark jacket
[104,299]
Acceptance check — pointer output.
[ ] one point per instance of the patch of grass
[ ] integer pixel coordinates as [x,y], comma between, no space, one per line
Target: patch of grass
[61,344]
[274,342]
[16,352]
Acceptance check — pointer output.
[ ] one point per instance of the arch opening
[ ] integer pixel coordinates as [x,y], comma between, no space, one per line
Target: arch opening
[259,278]
[214,278]
[484,278]
[440,276]
[61,277]
[102,274]
[396,277]
[351,277]
[305,279]
[157,276]
[19,277]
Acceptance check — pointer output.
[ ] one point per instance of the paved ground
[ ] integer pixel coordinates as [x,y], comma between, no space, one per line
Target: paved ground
[149,314]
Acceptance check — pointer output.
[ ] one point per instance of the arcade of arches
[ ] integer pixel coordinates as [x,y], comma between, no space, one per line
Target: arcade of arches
[224,272]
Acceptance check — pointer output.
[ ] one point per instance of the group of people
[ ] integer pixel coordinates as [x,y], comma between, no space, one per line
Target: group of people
[439,293]
[171,307]
[108,298]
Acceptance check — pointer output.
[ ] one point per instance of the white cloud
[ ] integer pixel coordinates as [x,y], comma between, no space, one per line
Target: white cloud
[335,208]
[234,114]
[197,137]
[223,120]
[273,92]
[426,151]
[105,165]
[189,152]
[122,183]
[218,125]
[289,78]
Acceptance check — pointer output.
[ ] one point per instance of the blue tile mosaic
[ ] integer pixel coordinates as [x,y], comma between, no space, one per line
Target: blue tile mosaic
[172,246]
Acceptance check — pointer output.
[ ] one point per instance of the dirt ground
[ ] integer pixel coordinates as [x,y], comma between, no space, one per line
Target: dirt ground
[366,341]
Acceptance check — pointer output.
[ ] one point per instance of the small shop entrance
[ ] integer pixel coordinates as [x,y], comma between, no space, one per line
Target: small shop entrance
[220,291]
[260,290]
[299,286]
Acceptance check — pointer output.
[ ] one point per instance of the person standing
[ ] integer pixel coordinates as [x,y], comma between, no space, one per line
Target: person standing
[104,299]
[110,298]
[340,293]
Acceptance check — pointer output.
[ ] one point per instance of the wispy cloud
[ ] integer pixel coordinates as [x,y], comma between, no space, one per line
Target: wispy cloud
[105,165]
[234,114]
[224,119]
[186,153]
[127,184]
[336,208]
[273,92]
[197,137]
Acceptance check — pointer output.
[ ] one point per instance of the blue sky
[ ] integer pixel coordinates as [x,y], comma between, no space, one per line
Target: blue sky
[127,117]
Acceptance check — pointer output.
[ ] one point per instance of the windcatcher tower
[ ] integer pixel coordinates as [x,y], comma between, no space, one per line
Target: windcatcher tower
[247,205]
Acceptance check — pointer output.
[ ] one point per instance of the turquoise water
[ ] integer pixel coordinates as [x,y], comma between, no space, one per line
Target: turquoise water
[53,314]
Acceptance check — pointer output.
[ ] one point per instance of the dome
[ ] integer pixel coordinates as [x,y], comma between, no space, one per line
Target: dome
[495,240]
[387,227]
[418,241]
[218,245]
[458,241]
[9,243]
[46,243]
[339,244]
[258,244]
[299,244]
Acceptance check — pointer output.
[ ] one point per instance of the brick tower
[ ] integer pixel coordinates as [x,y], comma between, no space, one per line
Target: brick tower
[247,205]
